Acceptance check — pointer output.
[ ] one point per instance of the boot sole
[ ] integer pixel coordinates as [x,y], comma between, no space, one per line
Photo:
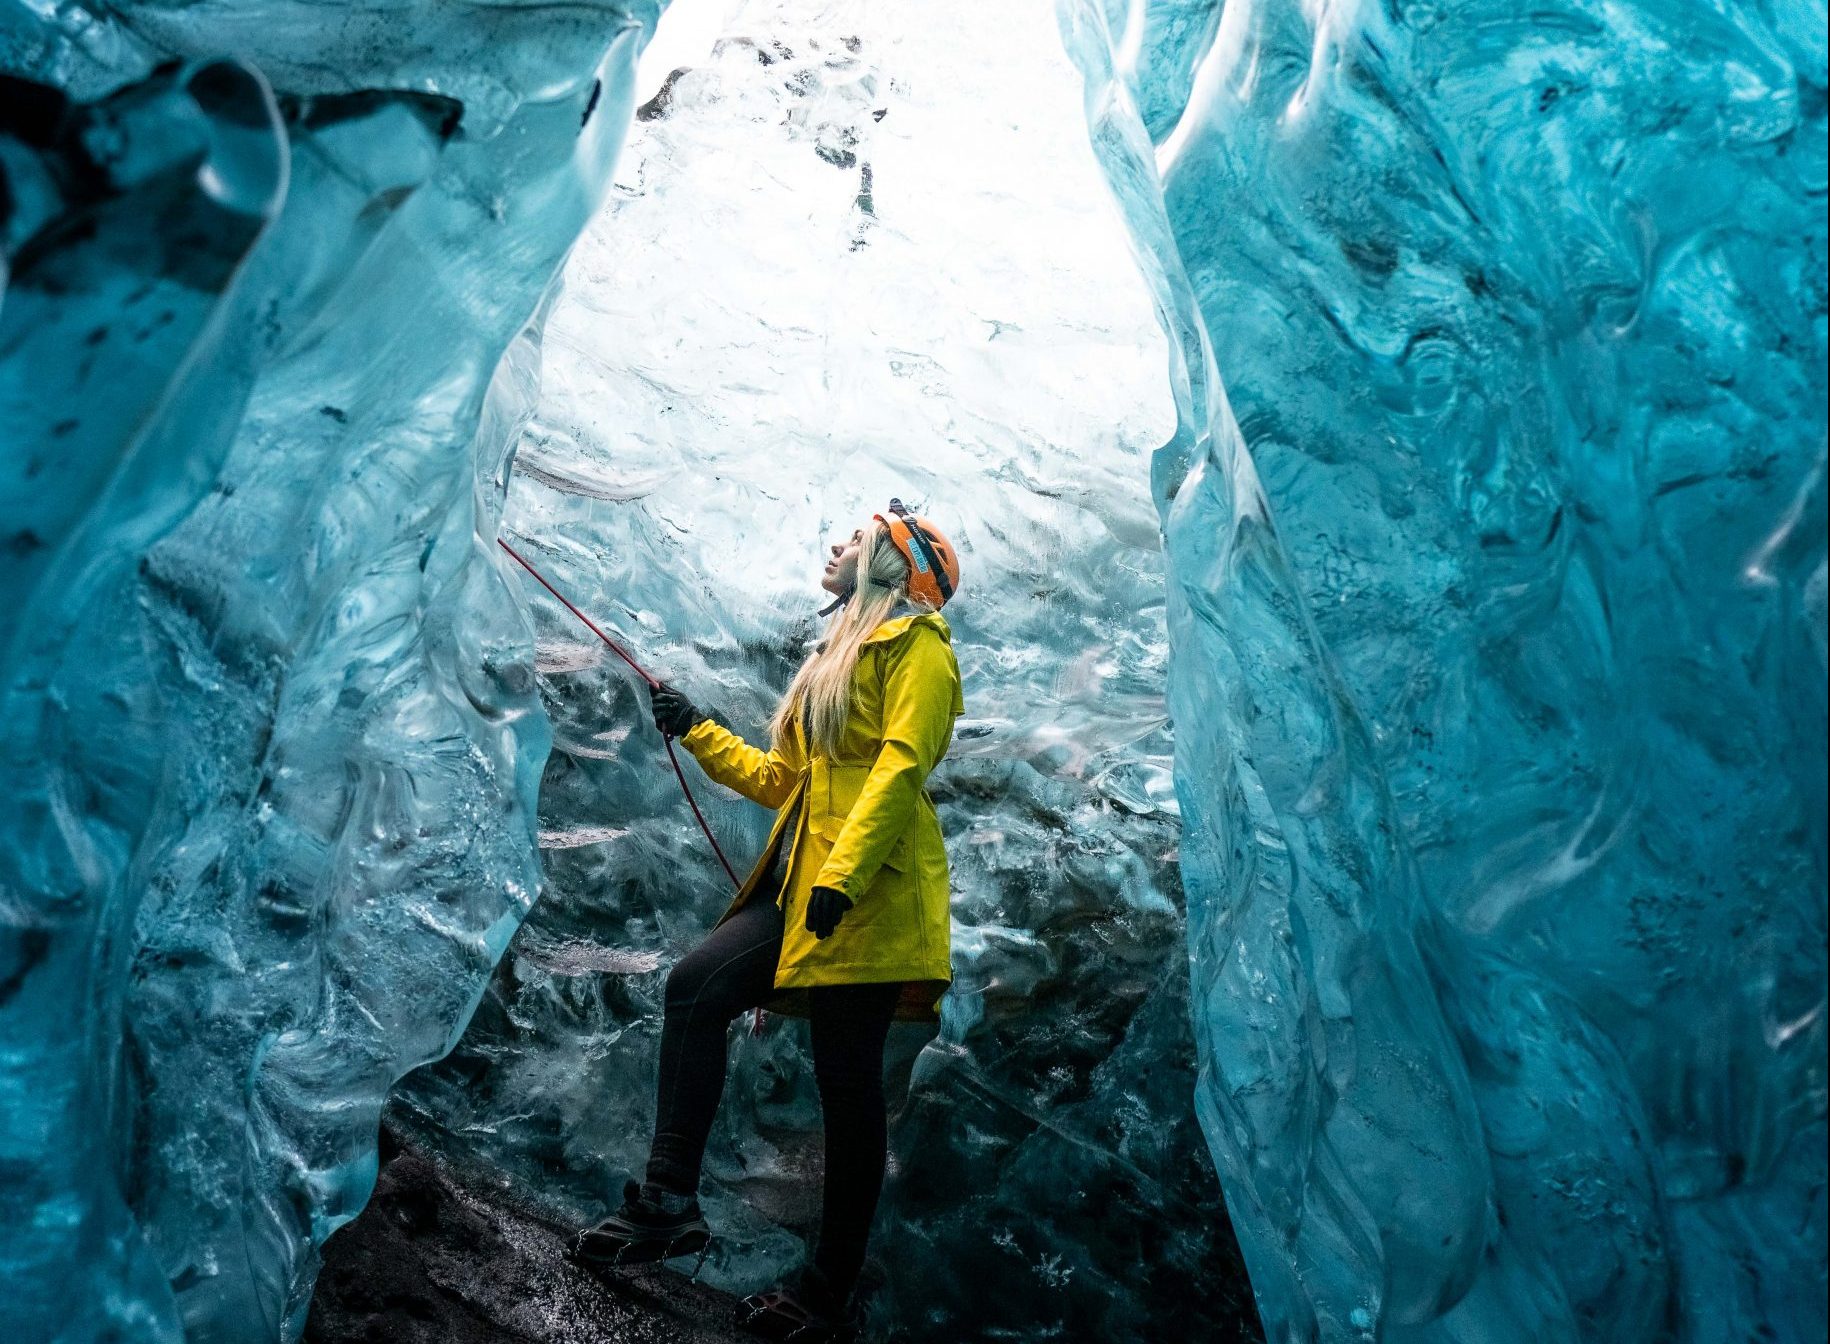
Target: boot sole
[643,1251]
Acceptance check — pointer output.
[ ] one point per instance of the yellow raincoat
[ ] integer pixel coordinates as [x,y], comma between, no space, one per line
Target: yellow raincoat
[866,825]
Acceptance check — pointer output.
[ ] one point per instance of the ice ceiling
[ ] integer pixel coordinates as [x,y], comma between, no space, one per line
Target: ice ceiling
[1478,945]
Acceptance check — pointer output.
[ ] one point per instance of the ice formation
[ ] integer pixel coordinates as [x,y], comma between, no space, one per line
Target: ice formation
[1498,630]
[1491,615]
[271,744]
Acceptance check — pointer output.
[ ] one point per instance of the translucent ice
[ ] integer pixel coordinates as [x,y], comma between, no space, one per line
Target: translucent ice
[851,253]
[1502,752]
[1493,630]
[270,741]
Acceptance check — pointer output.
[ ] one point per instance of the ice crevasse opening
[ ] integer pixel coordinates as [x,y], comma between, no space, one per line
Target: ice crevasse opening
[1392,787]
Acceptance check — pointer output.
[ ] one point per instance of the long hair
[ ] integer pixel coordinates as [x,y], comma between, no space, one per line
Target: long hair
[823,684]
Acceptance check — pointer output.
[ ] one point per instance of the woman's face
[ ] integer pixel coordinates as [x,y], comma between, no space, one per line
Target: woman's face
[841,574]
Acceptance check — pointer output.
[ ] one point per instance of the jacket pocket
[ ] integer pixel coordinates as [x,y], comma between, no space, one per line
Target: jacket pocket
[843,785]
[901,855]
[835,793]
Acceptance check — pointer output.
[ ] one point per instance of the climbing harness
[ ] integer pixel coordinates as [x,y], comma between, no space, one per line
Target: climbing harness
[667,740]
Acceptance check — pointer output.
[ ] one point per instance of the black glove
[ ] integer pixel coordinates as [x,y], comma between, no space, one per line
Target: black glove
[674,714]
[825,908]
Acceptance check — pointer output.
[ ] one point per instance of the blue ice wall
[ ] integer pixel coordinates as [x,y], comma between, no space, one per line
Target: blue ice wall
[1498,614]
[270,736]
[1497,607]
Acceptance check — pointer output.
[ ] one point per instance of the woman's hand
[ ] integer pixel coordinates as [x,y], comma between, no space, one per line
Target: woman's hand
[825,908]
[674,714]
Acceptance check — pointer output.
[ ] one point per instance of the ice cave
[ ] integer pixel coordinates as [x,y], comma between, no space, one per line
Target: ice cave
[1385,446]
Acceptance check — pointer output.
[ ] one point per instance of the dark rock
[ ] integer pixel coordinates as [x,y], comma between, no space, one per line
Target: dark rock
[435,1259]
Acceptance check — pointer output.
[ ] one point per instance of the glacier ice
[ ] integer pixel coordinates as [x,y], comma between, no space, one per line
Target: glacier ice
[852,254]
[1491,619]
[1501,750]
[271,741]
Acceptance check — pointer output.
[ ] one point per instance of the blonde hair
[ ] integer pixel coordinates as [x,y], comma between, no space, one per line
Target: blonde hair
[823,684]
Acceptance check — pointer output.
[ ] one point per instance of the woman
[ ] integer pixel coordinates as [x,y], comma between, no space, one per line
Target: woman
[844,919]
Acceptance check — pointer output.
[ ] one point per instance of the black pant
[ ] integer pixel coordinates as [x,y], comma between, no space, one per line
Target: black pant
[734,969]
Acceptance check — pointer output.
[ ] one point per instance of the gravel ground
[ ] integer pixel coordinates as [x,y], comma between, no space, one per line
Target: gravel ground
[432,1262]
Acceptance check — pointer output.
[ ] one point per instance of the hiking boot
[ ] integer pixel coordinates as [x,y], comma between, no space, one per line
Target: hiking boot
[653,1225]
[808,1312]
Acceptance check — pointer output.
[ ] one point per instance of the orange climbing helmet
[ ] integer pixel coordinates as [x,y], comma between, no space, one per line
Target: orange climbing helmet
[933,563]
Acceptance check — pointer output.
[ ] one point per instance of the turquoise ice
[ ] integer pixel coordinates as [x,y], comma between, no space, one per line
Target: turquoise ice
[1466,503]
[1497,618]
[270,742]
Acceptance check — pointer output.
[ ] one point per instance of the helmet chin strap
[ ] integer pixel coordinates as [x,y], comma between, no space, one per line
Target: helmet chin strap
[849,593]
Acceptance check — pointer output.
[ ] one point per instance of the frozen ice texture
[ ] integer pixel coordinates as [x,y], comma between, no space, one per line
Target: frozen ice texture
[854,252]
[270,740]
[1494,637]
[1497,613]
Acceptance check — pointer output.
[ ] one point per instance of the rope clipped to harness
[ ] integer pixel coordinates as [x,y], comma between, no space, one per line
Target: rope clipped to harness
[654,682]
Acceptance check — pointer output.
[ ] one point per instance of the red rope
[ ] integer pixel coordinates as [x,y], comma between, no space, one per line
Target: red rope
[654,682]
[590,625]
[699,816]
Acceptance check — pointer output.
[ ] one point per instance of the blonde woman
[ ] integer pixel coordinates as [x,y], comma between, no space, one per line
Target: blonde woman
[844,919]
